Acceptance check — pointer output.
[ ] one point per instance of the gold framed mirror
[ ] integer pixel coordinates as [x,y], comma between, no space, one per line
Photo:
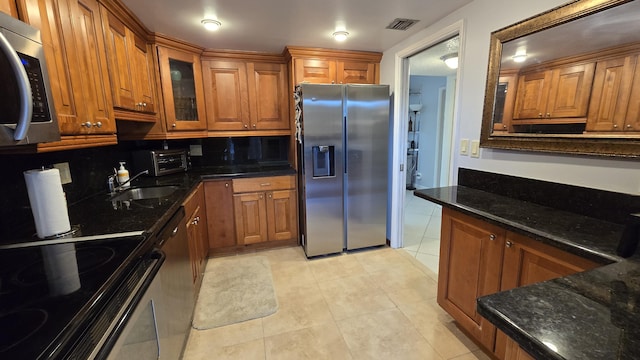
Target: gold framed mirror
[567,81]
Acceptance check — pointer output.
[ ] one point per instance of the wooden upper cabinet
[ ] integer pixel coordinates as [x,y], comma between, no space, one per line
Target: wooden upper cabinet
[246,95]
[268,97]
[611,96]
[355,72]
[326,66]
[9,7]
[130,72]
[227,96]
[182,89]
[74,48]
[562,92]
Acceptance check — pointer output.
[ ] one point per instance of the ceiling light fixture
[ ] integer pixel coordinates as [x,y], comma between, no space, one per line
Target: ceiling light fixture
[211,25]
[519,57]
[451,60]
[340,35]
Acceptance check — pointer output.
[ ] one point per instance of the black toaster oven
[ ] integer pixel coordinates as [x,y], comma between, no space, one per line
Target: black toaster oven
[160,162]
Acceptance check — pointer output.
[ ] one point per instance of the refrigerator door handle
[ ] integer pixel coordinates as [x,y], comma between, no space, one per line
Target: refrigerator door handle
[346,145]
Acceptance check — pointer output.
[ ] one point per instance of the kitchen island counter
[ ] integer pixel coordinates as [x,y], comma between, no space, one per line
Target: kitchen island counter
[590,315]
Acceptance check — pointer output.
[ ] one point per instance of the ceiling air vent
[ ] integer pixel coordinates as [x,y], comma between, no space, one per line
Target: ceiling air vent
[401,24]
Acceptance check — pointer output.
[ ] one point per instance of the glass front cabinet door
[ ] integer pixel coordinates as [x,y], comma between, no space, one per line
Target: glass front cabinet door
[182,90]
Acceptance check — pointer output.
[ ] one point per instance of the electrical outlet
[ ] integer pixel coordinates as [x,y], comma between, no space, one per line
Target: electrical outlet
[464,146]
[475,148]
[195,150]
[65,172]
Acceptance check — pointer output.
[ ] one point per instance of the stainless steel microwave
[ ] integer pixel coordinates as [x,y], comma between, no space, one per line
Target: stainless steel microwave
[27,114]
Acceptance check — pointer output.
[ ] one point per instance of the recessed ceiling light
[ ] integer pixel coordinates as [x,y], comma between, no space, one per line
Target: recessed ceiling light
[211,25]
[340,35]
[451,60]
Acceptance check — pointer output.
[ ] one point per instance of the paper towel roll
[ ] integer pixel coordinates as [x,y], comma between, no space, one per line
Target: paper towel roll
[48,203]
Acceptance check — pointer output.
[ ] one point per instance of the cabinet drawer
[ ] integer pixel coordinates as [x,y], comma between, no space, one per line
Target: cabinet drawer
[264,183]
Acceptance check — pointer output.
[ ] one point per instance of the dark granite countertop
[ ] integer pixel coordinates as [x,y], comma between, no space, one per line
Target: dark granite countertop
[590,315]
[98,215]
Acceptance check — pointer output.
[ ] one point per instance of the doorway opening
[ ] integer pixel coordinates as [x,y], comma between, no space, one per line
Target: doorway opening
[431,89]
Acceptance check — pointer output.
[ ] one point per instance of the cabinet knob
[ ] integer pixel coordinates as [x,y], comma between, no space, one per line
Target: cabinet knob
[548,115]
[492,237]
[628,126]
[254,125]
[226,185]
[270,195]
[539,114]
[615,126]
[98,124]
[144,104]
[261,196]
[508,244]
[87,124]
[173,125]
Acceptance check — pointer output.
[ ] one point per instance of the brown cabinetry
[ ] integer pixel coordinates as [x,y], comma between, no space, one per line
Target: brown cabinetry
[478,258]
[243,95]
[220,218]
[74,48]
[333,66]
[612,94]
[265,209]
[196,221]
[130,70]
[182,90]
[555,95]
[9,7]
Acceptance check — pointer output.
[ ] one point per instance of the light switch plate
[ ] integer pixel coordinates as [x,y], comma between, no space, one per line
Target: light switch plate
[464,146]
[65,172]
[475,148]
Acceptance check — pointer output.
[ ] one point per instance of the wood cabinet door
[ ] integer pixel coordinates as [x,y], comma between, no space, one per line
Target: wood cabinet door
[91,75]
[250,217]
[611,93]
[470,265]
[227,97]
[143,75]
[9,7]
[282,215]
[182,90]
[268,97]
[532,95]
[527,261]
[220,213]
[316,71]
[570,91]
[121,68]
[632,119]
[192,237]
[355,72]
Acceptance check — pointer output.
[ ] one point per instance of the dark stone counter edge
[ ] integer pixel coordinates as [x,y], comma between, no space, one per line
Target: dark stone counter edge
[512,330]
[560,243]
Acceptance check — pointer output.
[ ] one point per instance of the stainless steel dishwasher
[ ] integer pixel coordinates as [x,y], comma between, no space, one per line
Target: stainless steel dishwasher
[175,309]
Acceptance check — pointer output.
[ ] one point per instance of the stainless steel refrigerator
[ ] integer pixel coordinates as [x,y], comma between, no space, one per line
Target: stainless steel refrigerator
[344,157]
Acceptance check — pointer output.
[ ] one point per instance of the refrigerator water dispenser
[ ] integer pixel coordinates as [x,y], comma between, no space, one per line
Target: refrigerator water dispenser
[323,161]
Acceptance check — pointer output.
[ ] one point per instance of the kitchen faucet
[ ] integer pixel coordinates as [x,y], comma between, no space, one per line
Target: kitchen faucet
[111,181]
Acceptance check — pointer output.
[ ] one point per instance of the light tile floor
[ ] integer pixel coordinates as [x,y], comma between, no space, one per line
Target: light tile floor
[421,238]
[373,304]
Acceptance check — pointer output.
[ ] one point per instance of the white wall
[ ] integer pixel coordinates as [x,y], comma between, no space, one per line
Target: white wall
[481,17]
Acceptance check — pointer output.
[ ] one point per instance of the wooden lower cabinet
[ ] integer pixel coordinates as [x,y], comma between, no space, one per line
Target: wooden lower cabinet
[220,218]
[197,234]
[478,258]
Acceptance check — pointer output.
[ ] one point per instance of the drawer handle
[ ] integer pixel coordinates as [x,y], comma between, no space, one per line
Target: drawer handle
[265,184]
[508,244]
[492,237]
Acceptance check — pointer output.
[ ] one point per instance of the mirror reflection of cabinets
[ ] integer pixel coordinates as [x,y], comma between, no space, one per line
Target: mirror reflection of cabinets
[560,82]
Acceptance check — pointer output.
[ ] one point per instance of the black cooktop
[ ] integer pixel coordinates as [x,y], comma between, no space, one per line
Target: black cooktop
[49,293]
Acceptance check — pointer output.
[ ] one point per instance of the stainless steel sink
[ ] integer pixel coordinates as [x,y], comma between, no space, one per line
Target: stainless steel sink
[141,193]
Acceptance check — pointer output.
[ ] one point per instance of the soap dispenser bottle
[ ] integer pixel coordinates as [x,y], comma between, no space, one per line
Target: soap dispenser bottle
[123,176]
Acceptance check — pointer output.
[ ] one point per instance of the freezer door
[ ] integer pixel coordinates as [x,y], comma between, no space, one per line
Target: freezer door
[323,169]
[367,124]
